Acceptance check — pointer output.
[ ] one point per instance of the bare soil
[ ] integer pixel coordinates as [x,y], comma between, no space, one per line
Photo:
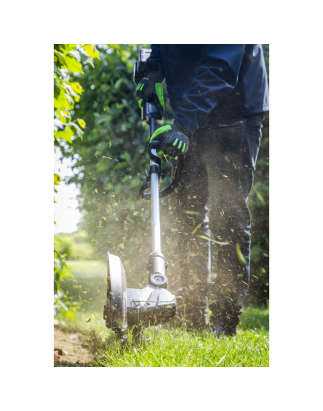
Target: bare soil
[71,350]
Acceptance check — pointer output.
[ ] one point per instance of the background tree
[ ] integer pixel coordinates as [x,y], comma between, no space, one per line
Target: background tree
[68,62]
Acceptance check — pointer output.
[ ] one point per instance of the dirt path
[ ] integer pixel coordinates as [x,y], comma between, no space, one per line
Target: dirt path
[71,350]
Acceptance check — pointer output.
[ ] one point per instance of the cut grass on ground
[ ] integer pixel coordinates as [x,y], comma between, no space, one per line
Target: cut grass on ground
[169,347]
[193,349]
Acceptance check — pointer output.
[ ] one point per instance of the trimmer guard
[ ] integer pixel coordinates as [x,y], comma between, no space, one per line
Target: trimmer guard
[115,310]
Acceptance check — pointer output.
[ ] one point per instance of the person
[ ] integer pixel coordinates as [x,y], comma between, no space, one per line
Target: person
[219,94]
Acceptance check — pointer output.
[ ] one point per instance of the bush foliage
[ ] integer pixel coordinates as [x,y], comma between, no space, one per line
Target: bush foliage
[69,60]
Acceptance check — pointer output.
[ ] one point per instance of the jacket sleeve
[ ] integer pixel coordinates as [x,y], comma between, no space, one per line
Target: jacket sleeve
[217,72]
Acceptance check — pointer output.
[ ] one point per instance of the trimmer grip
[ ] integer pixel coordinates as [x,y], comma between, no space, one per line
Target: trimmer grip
[151,146]
[177,178]
[170,188]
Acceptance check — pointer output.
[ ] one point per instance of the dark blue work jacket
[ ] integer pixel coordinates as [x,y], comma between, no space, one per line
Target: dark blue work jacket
[213,82]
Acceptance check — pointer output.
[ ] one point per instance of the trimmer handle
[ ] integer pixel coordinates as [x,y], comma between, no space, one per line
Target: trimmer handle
[151,112]
[175,180]
[151,146]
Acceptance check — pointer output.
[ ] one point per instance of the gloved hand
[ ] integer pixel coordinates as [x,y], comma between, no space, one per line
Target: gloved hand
[150,87]
[174,140]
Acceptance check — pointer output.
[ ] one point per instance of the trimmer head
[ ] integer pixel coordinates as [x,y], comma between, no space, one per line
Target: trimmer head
[115,310]
[131,307]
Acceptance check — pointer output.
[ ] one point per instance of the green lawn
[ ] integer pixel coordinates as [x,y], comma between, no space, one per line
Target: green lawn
[190,349]
[169,347]
[178,348]
[88,267]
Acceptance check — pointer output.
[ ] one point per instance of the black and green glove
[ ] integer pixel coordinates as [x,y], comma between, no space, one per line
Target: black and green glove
[174,140]
[151,88]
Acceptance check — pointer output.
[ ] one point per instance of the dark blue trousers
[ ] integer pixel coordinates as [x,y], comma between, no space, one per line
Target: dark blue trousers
[212,203]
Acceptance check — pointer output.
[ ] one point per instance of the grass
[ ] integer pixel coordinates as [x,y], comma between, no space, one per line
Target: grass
[169,347]
[76,245]
[88,267]
[189,349]
[178,348]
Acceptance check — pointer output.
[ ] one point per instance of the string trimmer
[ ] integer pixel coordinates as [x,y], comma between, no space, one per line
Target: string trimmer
[131,308]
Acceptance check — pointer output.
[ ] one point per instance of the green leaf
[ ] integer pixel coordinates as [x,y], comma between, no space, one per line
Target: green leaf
[62,103]
[79,131]
[57,179]
[242,259]
[213,241]
[57,90]
[81,122]
[55,288]
[65,134]
[69,99]
[85,59]
[57,71]
[63,116]
[67,47]
[92,51]
[119,82]
[73,65]
[59,59]
[90,319]
[196,228]
[70,90]
[77,88]
[76,54]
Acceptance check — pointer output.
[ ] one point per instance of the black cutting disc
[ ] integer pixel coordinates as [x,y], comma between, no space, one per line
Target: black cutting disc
[115,311]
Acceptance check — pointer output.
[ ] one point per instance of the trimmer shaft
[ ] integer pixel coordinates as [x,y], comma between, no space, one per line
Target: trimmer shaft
[153,304]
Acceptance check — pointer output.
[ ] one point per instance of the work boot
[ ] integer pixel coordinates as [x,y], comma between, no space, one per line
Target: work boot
[225,318]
